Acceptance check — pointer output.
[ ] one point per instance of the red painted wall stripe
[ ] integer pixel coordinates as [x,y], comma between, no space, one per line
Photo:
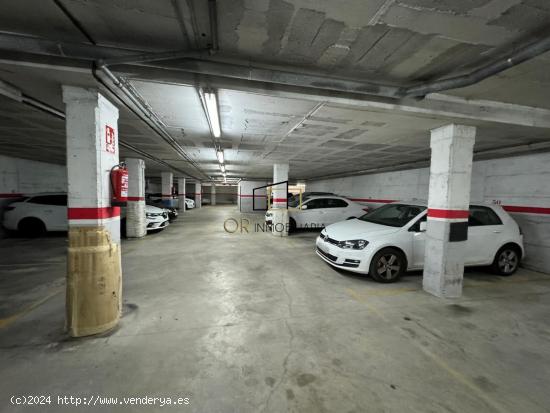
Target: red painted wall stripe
[376,201]
[93,213]
[526,209]
[11,195]
[448,213]
[136,198]
[279,200]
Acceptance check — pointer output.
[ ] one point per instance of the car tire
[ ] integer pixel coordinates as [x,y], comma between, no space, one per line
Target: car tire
[507,260]
[31,227]
[388,265]
[291,225]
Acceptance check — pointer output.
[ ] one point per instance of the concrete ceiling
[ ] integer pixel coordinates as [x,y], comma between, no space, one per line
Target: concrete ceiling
[398,42]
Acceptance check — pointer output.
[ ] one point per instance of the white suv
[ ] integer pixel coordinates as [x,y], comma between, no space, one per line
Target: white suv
[390,240]
[34,215]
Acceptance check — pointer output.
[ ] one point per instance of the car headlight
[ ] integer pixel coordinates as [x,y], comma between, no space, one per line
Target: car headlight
[355,244]
[150,215]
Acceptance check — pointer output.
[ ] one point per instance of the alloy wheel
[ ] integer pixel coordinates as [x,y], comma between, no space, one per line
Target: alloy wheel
[388,266]
[508,261]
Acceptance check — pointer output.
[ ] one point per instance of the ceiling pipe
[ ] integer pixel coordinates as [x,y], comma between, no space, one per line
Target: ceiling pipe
[157,126]
[518,56]
[18,96]
[213,15]
[196,62]
[148,116]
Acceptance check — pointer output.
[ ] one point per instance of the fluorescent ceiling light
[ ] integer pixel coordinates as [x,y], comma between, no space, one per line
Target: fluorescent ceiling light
[222,167]
[212,109]
[219,154]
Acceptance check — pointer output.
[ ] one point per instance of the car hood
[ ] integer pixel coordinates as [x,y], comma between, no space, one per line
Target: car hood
[357,229]
[153,209]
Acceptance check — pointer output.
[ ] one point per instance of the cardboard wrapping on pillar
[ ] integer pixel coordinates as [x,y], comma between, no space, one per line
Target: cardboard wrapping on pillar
[94,281]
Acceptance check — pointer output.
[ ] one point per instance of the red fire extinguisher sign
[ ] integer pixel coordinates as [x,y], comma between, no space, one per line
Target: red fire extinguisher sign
[110,143]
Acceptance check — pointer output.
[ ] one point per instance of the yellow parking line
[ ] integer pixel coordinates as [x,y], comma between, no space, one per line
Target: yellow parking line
[4,322]
[461,378]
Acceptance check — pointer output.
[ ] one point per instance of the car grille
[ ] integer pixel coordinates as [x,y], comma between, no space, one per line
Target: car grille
[327,255]
[332,241]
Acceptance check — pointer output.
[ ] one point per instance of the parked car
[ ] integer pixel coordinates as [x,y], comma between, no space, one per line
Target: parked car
[172,212]
[156,199]
[156,218]
[320,211]
[390,240]
[189,203]
[47,212]
[296,198]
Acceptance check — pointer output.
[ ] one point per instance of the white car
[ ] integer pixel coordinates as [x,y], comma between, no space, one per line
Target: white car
[390,240]
[157,200]
[189,203]
[156,218]
[34,215]
[320,211]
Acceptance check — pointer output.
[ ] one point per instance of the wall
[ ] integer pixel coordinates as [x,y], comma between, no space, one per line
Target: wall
[21,176]
[520,184]
[248,198]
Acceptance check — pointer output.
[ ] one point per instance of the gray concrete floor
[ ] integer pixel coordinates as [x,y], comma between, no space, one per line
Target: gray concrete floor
[252,323]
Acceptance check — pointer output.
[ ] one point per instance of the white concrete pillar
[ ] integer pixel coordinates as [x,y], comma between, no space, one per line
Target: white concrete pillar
[181,194]
[167,182]
[448,209]
[280,174]
[213,194]
[94,276]
[198,195]
[136,226]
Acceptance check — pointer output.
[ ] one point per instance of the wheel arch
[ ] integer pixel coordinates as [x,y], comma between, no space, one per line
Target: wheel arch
[393,247]
[514,244]
[32,217]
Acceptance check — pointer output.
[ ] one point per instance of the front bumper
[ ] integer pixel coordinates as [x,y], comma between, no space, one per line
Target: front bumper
[154,224]
[350,260]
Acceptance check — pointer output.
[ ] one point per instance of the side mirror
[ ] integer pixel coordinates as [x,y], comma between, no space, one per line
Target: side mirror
[423,226]
[304,207]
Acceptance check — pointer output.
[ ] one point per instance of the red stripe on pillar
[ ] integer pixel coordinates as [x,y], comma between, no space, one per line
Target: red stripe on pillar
[93,213]
[136,198]
[279,199]
[448,213]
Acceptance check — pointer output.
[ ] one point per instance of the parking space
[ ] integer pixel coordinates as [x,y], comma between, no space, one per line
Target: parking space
[275,205]
[281,330]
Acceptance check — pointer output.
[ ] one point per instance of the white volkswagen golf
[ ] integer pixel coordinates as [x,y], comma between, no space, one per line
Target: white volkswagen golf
[390,240]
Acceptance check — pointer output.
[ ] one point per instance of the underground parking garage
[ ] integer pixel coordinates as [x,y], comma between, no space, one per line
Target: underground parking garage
[235,206]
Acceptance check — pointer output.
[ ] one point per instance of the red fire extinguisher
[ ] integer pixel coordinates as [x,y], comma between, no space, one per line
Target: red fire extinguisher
[119,184]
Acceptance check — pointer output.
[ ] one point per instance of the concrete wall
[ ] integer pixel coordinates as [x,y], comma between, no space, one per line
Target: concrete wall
[21,176]
[520,184]
[225,194]
[247,198]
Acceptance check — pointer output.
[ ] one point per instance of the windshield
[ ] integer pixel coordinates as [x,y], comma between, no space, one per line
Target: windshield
[393,215]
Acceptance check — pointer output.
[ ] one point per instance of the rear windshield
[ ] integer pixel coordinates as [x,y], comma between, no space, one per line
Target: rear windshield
[393,215]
